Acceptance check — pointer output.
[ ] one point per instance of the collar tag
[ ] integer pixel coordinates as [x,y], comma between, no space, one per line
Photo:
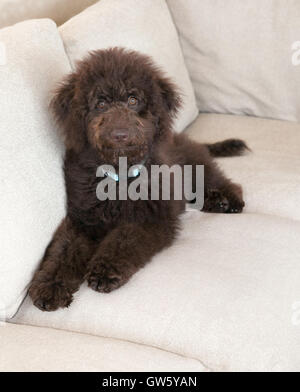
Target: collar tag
[134,171]
[113,176]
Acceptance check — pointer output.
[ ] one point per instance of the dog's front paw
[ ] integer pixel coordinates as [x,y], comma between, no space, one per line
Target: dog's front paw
[49,296]
[223,202]
[105,278]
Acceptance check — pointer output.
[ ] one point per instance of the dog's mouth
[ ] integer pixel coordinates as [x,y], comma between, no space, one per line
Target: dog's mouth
[123,148]
[134,153]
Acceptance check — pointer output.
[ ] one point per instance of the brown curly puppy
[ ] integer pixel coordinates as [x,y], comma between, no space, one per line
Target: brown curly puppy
[118,104]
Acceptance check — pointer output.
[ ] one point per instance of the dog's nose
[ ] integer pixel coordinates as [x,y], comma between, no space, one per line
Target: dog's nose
[120,135]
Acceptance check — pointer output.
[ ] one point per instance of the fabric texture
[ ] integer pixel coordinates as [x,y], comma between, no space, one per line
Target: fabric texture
[32,349]
[242,55]
[32,187]
[145,26]
[227,291]
[14,11]
[270,172]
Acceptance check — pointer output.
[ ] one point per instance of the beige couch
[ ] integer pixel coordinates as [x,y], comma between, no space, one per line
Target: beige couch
[226,295]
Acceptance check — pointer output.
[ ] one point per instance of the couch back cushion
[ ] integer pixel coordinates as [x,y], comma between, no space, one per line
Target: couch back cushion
[145,26]
[243,56]
[14,11]
[32,60]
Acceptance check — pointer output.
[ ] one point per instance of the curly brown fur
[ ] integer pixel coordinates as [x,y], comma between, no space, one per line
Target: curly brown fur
[117,103]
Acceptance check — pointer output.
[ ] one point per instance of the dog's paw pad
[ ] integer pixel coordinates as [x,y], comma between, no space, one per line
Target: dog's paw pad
[105,280]
[215,202]
[104,285]
[236,206]
[223,205]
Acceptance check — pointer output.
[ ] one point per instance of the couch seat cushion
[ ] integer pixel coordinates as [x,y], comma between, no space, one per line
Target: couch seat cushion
[227,292]
[33,349]
[270,173]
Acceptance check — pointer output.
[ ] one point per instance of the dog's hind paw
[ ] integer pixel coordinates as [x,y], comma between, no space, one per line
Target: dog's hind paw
[221,202]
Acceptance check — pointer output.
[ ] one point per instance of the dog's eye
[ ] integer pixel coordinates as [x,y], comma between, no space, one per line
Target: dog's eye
[101,104]
[132,101]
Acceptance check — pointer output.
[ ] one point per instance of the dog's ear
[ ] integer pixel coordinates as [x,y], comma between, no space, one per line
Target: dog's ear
[170,95]
[64,95]
[68,114]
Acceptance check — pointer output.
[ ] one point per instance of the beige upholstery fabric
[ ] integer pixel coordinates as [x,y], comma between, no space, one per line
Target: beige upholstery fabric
[28,349]
[32,187]
[13,11]
[270,174]
[242,55]
[145,26]
[227,292]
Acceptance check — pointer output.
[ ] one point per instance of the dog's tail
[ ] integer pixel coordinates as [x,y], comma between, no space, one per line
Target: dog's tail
[227,148]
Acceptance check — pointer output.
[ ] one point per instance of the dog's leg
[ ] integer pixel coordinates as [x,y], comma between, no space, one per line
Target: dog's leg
[124,251]
[220,194]
[62,268]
